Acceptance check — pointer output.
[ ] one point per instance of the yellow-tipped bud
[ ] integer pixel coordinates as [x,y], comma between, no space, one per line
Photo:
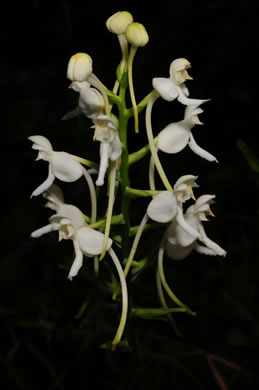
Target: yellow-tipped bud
[79,67]
[137,35]
[118,23]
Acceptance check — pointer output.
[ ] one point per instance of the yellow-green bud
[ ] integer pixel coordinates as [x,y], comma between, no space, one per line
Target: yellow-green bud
[119,22]
[79,67]
[137,35]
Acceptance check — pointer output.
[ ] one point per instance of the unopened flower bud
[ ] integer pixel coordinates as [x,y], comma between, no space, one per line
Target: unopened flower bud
[137,35]
[79,67]
[178,70]
[119,22]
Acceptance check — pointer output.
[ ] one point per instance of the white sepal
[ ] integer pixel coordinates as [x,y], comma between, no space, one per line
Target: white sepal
[165,87]
[173,138]
[163,207]
[91,241]
[65,167]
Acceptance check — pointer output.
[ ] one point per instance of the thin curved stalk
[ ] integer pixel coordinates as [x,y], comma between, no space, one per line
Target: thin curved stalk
[150,136]
[135,244]
[165,284]
[164,304]
[110,207]
[151,174]
[133,51]
[93,79]
[124,292]
[92,194]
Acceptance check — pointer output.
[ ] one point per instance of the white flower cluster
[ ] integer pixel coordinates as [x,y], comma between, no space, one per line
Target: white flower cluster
[184,231]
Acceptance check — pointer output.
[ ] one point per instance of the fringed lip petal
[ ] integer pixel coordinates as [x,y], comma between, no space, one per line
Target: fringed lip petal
[163,207]
[173,138]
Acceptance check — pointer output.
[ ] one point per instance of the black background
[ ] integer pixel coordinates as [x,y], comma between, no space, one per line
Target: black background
[44,347]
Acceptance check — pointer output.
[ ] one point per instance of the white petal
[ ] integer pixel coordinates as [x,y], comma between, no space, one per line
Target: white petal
[165,87]
[115,150]
[91,241]
[183,237]
[173,138]
[45,229]
[65,167]
[199,151]
[78,261]
[91,102]
[163,207]
[204,200]
[182,98]
[177,252]
[54,194]
[45,185]
[185,226]
[73,214]
[104,162]
[184,181]
[40,143]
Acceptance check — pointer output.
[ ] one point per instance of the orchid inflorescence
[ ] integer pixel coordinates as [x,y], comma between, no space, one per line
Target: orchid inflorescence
[96,235]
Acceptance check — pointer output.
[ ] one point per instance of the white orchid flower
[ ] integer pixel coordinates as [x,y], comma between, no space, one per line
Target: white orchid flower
[167,205]
[174,87]
[179,243]
[61,164]
[110,149]
[87,241]
[63,167]
[90,102]
[176,136]
[56,202]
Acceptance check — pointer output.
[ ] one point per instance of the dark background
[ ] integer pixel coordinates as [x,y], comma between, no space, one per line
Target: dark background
[43,346]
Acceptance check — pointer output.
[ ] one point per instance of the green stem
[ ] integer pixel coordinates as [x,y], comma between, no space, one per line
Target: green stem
[136,193]
[124,171]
